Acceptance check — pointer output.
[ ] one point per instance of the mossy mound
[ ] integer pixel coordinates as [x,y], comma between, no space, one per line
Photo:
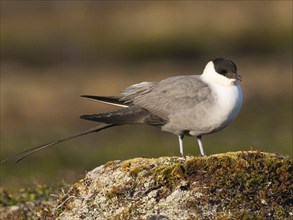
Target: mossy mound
[239,185]
[236,185]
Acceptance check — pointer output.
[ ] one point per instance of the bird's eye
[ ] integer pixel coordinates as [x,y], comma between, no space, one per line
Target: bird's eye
[223,71]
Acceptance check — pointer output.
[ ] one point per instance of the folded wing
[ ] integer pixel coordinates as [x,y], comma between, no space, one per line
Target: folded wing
[130,115]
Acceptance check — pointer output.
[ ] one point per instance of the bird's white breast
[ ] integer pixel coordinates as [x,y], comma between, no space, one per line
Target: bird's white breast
[227,103]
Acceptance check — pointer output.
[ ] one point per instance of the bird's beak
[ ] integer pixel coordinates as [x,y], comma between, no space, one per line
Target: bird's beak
[232,75]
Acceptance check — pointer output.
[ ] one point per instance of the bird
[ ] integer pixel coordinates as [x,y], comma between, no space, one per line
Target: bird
[185,105]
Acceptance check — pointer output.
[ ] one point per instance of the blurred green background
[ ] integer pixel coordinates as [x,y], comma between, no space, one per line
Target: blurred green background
[54,51]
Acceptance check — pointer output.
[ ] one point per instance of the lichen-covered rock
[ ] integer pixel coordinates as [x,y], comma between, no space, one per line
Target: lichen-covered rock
[240,185]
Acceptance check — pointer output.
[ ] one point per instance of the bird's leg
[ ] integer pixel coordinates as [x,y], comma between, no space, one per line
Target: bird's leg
[200,145]
[181,136]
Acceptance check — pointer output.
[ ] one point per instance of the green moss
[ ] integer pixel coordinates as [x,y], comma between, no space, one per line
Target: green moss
[168,174]
[260,181]
[136,165]
[30,203]
[38,192]
[232,181]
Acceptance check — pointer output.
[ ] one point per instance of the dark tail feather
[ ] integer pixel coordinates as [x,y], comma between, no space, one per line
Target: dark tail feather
[20,156]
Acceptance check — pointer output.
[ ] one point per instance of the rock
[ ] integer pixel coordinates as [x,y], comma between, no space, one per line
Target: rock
[237,185]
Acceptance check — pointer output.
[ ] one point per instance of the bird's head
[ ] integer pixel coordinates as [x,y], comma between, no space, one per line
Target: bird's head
[221,71]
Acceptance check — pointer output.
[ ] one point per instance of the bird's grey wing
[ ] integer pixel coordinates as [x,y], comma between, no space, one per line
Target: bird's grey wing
[133,91]
[168,96]
[127,97]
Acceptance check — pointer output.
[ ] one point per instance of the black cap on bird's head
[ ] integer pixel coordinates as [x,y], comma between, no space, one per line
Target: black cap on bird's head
[226,68]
